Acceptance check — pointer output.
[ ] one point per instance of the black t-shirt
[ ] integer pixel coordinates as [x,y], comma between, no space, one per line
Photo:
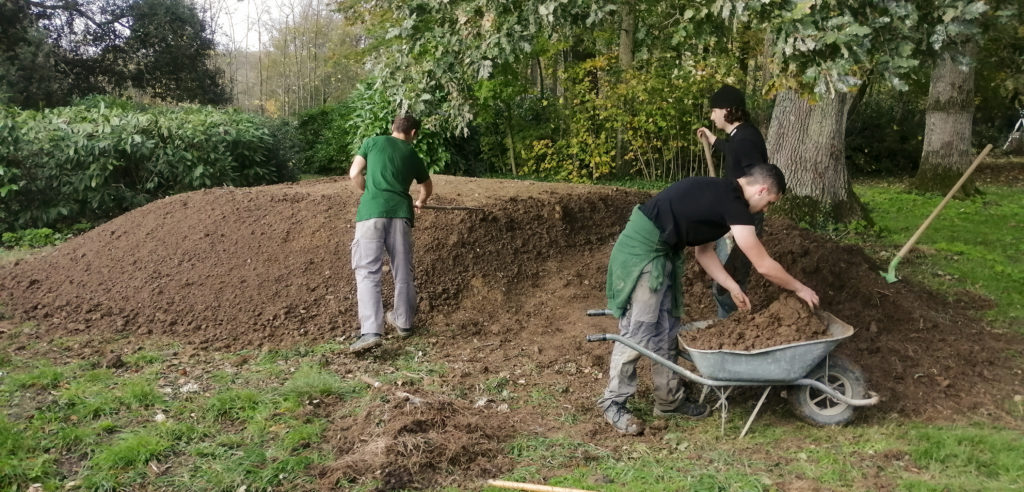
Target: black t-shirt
[696,211]
[744,148]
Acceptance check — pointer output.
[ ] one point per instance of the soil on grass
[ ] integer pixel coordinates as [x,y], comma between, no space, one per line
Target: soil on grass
[787,320]
[503,292]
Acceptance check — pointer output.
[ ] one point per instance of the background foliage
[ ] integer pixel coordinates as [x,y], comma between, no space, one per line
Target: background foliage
[96,160]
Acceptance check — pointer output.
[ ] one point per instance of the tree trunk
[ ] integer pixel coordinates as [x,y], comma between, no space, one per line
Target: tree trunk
[808,142]
[627,33]
[947,130]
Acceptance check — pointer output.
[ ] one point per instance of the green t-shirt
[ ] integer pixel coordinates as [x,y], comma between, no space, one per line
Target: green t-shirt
[391,166]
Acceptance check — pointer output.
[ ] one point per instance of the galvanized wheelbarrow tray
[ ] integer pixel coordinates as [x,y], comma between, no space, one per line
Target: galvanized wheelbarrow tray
[823,389]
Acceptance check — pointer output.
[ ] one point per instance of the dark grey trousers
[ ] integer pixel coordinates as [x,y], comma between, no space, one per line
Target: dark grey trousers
[648,321]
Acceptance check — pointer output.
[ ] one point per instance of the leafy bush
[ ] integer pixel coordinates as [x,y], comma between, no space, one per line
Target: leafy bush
[93,162]
[32,238]
[655,110]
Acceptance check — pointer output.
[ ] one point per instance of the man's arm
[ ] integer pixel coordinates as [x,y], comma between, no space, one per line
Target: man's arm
[426,189]
[708,260]
[355,173]
[747,241]
[705,134]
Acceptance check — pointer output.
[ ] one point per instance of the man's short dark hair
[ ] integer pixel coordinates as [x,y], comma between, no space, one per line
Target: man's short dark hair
[405,123]
[768,174]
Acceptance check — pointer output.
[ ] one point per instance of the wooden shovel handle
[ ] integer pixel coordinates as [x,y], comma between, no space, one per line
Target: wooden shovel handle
[928,221]
[707,156]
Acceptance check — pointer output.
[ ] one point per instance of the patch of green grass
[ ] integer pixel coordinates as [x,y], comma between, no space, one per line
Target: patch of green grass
[88,399]
[539,397]
[972,244]
[142,358]
[237,404]
[967,458]
[413,368]
[97,426]
[131,449]
[44,376]
[639,467]
[310,382]
[140,393]
[23,458]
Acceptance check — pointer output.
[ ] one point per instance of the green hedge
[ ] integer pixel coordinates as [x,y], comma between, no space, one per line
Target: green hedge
[94,161]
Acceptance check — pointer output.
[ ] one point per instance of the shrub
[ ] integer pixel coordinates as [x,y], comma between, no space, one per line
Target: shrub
[93,162]
[32,238]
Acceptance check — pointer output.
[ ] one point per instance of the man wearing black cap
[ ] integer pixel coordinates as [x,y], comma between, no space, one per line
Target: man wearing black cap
[744,149]
[745,146]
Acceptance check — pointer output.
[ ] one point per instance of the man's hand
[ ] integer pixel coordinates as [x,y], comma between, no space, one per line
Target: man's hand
[417,205]
[705,134]
[741,300]
[808,295]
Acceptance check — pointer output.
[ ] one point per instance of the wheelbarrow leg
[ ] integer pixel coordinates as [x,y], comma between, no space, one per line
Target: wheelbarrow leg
[756,409]
[722,405]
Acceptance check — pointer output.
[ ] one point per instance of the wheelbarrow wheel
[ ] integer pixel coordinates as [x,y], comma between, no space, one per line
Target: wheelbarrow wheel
[814,406]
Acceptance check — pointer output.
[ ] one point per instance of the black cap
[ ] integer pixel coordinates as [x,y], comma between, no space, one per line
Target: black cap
[728,97]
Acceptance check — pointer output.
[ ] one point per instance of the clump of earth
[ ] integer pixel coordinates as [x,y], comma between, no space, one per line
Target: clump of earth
[785,321]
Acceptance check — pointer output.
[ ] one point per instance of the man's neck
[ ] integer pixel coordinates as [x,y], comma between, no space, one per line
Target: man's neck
[402,136]
[729,127]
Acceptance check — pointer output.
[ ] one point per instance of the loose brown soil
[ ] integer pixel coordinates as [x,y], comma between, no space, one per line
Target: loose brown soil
[503,294]
[787,320]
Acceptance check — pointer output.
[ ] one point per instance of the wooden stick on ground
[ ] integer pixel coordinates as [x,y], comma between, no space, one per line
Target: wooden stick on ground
[415,400]
[502,484]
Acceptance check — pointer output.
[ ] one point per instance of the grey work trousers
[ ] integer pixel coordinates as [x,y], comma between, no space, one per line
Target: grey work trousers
[649,322]
[374,238]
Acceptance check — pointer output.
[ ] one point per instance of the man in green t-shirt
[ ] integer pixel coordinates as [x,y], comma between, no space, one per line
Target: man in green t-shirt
[384,222]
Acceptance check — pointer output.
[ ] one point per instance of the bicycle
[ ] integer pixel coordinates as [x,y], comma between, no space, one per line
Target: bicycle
[1016,136]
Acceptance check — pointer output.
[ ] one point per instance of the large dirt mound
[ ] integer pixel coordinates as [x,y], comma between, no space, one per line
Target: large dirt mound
[243,268]
[502,293]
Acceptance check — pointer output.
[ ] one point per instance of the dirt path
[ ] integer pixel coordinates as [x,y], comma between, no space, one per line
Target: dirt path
[502,292]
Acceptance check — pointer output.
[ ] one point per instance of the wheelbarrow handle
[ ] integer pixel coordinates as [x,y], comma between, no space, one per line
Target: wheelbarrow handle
[597,337]
[599,312]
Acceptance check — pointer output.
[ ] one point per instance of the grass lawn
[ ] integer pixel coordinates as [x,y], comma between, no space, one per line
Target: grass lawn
[972,244]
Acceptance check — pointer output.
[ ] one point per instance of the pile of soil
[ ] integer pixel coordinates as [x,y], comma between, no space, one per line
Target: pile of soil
[503,294]
[787,320]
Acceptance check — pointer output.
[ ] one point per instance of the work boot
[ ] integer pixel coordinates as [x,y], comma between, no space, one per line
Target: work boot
[367,341]
[389,319]
[623,420]
[685,407]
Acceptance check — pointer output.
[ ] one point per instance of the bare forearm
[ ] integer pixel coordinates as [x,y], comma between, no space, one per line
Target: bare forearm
[426,189]
[708,260]
[777,275]
[359,182]
[355,173]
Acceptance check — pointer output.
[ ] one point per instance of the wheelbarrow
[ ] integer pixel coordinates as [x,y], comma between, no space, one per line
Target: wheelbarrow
[823,389]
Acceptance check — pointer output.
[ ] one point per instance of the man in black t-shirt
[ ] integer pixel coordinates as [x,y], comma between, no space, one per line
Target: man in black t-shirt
[743,149]
[644,286]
